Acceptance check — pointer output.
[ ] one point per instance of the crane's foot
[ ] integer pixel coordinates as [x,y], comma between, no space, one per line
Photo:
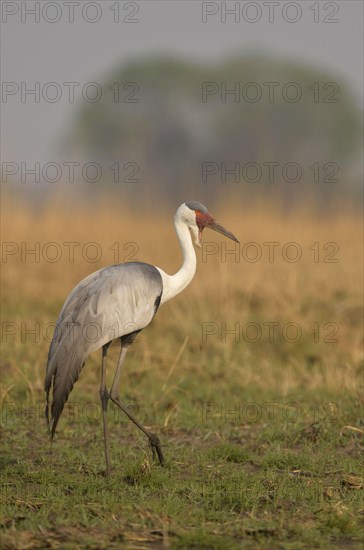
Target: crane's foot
[106,474]
[156,447]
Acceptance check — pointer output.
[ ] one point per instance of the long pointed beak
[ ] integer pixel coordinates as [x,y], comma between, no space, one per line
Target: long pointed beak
[212,224]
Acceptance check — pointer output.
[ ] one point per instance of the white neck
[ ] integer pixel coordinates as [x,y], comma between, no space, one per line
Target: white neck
[174,284]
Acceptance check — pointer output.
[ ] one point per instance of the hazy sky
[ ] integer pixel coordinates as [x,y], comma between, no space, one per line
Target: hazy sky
[82,51]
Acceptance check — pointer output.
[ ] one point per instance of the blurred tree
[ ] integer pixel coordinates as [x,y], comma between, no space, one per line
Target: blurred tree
[170,117]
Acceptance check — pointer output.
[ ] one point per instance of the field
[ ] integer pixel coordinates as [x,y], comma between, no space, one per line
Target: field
[252,378]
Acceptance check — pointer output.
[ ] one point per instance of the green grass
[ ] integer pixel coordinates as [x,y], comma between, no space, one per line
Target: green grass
[263,441]
[228,483]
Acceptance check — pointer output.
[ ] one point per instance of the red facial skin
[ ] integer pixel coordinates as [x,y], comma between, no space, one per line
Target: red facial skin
[206,220]
[202,221]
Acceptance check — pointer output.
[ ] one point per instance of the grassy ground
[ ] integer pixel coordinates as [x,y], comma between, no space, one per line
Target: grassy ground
[263,439]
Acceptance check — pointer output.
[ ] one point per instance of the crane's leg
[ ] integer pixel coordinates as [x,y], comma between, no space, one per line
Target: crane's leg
[104,395]
[153,439]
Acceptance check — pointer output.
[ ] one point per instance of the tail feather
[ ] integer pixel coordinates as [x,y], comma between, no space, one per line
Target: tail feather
[63,370]
[109,300]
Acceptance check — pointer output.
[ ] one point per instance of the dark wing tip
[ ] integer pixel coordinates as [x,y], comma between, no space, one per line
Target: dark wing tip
[56,413]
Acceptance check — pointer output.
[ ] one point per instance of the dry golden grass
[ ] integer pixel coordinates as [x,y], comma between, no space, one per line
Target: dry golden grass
[234,291]
[228,479]
[107,223]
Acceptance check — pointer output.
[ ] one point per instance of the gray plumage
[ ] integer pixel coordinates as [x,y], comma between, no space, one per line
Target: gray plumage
[195,205]
[113,302]
[117,302]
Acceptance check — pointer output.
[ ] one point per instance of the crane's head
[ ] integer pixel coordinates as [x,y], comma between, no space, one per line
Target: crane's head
[196,217]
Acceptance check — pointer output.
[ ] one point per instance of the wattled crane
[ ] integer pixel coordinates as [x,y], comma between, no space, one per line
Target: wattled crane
[117,302]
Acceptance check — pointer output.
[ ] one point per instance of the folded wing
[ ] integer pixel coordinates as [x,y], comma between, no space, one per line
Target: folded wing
[110,303]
